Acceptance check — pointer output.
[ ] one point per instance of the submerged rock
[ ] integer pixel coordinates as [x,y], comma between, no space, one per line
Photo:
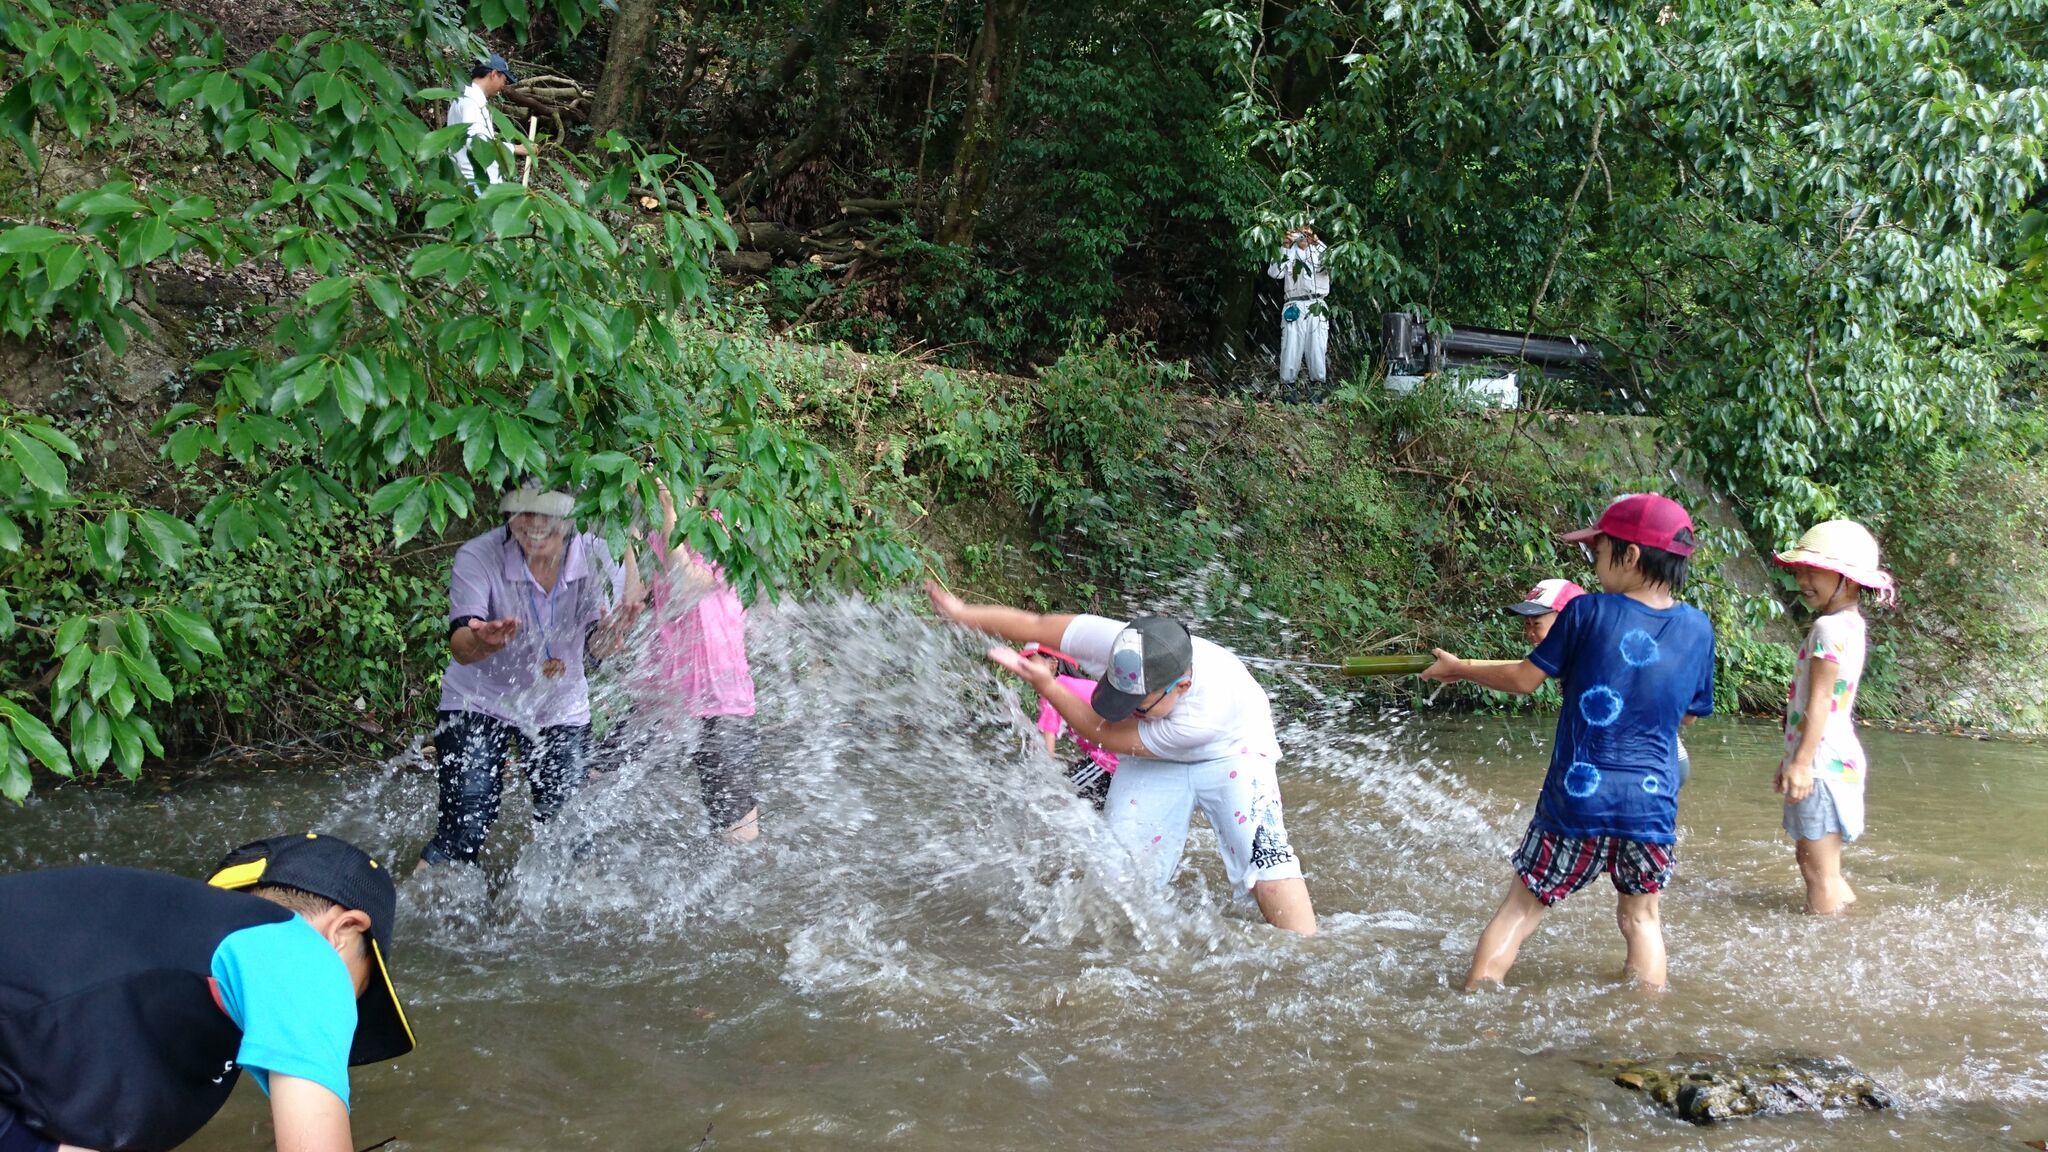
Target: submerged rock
[1703,1088]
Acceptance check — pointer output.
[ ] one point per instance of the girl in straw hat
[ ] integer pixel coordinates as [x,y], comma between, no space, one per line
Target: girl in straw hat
[1823,770]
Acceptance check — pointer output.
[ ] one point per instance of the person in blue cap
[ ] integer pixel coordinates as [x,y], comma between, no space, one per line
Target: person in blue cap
[131,1001]
[487,77]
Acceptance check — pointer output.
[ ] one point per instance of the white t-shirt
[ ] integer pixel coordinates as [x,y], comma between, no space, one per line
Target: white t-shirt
[474,109]
[1225,712]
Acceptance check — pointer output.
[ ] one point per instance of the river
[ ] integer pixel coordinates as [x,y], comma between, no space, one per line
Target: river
[932,948]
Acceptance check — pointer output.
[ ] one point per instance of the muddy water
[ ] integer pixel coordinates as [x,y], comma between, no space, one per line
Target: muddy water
[931,948]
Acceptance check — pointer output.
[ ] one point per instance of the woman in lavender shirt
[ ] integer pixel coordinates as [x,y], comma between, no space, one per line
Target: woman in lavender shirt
[529,603]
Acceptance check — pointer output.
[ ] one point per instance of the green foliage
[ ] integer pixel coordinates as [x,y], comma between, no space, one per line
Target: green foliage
[436,345]
[1786,217]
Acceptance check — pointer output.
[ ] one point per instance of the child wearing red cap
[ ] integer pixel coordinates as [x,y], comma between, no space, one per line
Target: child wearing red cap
[1822,772]
[1539,610]
[1540,607]
[1090,775]
[1635,666]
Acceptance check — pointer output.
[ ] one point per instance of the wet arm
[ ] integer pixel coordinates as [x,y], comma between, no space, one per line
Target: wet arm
[1120,737]
[307,1117]
[1520,677]
[1016,625]
[480,639]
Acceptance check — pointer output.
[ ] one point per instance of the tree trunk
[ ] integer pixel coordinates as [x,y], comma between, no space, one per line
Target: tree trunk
[992,68]
[624,61]
[1230,336]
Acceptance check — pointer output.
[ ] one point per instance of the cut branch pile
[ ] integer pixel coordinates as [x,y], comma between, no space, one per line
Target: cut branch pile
[833,247]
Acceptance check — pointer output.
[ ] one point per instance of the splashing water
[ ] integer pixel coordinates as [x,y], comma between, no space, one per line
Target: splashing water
[934,944]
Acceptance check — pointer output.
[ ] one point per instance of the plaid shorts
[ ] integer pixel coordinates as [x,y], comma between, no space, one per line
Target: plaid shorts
[1553,866]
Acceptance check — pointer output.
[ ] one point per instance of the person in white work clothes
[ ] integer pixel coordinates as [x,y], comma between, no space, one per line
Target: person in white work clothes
[1304,318]
[487,78]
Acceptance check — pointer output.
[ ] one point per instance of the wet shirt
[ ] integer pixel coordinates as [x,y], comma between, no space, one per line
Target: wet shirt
[1839,639]
[1630,674]
[700,654]
[130,1001]
[1050,722]
[491,581]
[1225,712]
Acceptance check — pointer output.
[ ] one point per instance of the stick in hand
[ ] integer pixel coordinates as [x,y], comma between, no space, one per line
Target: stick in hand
[526,172]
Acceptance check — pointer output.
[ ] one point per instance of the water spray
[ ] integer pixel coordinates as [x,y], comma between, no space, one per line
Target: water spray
[1367,665]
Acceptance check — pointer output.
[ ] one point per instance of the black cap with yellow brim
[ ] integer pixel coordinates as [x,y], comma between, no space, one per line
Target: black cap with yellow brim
[337,870]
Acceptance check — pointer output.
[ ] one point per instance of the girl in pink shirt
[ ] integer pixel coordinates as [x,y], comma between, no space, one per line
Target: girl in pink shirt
[1090,774]
[697,665]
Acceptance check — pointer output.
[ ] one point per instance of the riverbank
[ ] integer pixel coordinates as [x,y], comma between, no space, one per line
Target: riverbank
[1370,523]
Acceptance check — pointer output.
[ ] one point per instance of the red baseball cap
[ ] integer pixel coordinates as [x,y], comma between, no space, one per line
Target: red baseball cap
[1547,596]
[1645,519]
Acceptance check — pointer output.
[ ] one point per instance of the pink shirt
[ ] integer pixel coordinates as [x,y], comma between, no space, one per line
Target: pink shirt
[700,654]
[1050,721]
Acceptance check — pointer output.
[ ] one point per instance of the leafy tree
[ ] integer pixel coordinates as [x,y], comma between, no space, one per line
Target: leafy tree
[1787,218]
[440,344]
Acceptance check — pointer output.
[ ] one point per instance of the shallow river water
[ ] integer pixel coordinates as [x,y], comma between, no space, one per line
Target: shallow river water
[932,948]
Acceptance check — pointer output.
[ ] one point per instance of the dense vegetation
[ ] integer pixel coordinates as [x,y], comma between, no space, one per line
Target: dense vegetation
[264,349]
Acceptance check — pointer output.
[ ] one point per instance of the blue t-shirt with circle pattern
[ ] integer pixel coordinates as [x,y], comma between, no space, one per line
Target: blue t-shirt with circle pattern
[1630,675]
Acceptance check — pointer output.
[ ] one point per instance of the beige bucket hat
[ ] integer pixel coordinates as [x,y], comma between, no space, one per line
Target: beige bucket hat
[1845,548]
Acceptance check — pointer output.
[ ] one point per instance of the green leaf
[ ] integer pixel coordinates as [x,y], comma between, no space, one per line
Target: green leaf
[386,295]
[63,265]
[187,444]
[54,439]
[191,629]
[514,440]
[39,466]
[391,495]
[109,199]
[91,738]
[77,662]
[105,670]
[332,288]
[127,747]
[35,736]
[121,696]
[116,539]
[70,633]
[28,238]
[406,521]
[14,781]
[7,623]
[165,536]
[152,679]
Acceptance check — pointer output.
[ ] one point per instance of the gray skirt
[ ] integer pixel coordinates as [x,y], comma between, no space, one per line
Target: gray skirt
[1815,816]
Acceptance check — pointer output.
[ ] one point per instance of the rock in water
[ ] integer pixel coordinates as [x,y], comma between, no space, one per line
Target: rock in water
[1704,1089]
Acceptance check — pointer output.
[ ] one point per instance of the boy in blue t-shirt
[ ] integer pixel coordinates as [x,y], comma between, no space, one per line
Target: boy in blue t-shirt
[1635,666]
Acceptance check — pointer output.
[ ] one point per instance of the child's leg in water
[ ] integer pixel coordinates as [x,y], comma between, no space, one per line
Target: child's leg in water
[1518,915]
[1820,865]
[1643,929]
[725,768]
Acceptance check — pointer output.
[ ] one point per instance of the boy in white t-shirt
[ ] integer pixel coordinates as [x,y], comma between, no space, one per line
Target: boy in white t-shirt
[1191,728]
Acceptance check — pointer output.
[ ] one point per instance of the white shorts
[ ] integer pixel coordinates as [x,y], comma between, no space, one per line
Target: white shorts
[1151,802]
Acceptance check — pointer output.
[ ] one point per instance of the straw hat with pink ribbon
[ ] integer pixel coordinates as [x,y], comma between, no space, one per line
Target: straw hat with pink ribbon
[1845,548]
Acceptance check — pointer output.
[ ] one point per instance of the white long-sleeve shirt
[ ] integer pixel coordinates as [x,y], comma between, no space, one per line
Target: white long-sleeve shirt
[474,109]
[1301,273]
